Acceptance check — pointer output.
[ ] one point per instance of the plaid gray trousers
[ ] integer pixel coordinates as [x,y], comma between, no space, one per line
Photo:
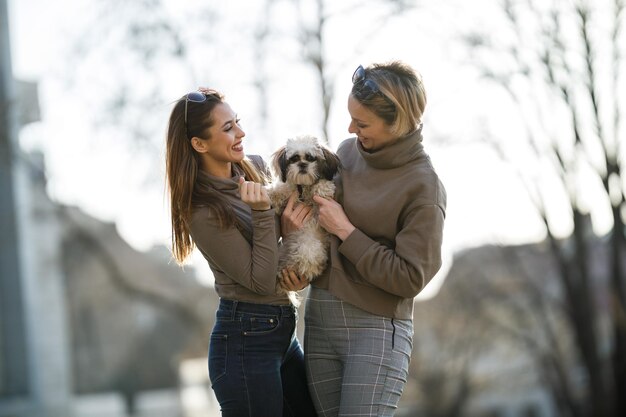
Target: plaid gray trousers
[357,362]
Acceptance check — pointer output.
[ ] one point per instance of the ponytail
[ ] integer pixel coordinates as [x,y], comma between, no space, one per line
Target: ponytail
[182,164]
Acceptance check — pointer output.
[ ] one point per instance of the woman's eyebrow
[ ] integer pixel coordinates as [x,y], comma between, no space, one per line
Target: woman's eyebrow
[229,121]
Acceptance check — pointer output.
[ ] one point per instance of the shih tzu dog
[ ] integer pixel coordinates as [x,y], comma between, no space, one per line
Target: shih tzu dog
[306,166]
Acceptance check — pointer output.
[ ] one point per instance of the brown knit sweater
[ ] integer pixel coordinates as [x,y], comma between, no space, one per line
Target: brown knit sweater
[243,259]
[397,203]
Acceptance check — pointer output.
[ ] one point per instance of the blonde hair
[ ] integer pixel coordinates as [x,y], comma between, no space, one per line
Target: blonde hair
[402,101]
[182,164]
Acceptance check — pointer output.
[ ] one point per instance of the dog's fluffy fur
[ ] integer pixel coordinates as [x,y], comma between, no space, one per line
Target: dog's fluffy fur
[306,166]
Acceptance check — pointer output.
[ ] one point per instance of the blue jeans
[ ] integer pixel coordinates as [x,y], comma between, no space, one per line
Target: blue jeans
[256,364]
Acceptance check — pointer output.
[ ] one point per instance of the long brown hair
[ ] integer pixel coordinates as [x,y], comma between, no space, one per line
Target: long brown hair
[182,164]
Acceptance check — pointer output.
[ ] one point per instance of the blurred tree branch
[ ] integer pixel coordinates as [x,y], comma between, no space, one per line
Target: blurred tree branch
[554,62]
[312,37]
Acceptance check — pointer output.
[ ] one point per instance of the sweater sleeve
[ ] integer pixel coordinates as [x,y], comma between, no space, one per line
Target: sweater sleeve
[405,269]
[253,267]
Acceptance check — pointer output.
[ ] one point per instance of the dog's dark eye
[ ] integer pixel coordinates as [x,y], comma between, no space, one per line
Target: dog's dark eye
[294,158]
[310,158]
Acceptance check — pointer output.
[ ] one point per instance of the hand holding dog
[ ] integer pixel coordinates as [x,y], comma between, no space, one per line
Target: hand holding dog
[333,218]
[254,195]
[294,215]
[292,282]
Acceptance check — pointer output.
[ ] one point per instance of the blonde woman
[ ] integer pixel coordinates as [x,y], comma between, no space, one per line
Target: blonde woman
[387,223]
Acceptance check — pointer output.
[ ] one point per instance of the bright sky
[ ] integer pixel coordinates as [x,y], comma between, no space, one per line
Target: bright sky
[485,201]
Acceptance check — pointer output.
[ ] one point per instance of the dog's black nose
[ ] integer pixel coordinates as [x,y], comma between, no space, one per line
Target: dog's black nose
[302,165]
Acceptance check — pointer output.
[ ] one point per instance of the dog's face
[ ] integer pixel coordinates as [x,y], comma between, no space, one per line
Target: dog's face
[303,160]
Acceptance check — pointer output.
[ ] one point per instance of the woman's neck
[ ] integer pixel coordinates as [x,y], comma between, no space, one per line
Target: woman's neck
[221,170]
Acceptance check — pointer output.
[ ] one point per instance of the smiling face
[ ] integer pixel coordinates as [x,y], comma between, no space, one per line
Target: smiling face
[224,145]
[372,131]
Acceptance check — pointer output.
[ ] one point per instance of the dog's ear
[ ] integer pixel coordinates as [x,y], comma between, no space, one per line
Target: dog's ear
[279,163]
[330,165]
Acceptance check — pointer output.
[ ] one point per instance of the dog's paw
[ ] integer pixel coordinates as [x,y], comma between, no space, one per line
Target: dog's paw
[279,194]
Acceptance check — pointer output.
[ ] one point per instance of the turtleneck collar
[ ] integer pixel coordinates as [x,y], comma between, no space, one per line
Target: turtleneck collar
[398,153]
[227,185]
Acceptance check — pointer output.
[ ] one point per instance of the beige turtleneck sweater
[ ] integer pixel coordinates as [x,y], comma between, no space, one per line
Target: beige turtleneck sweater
[244,259]
[397,203]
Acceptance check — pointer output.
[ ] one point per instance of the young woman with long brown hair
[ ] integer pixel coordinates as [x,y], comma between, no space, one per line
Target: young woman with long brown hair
[219,205]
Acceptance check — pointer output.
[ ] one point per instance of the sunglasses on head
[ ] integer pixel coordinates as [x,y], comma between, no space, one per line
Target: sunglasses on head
[364,89]
[198,97]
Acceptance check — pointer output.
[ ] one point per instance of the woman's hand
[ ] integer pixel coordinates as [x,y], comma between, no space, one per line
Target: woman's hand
[294,215]
[333,218]
[292,282]
[254,195]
